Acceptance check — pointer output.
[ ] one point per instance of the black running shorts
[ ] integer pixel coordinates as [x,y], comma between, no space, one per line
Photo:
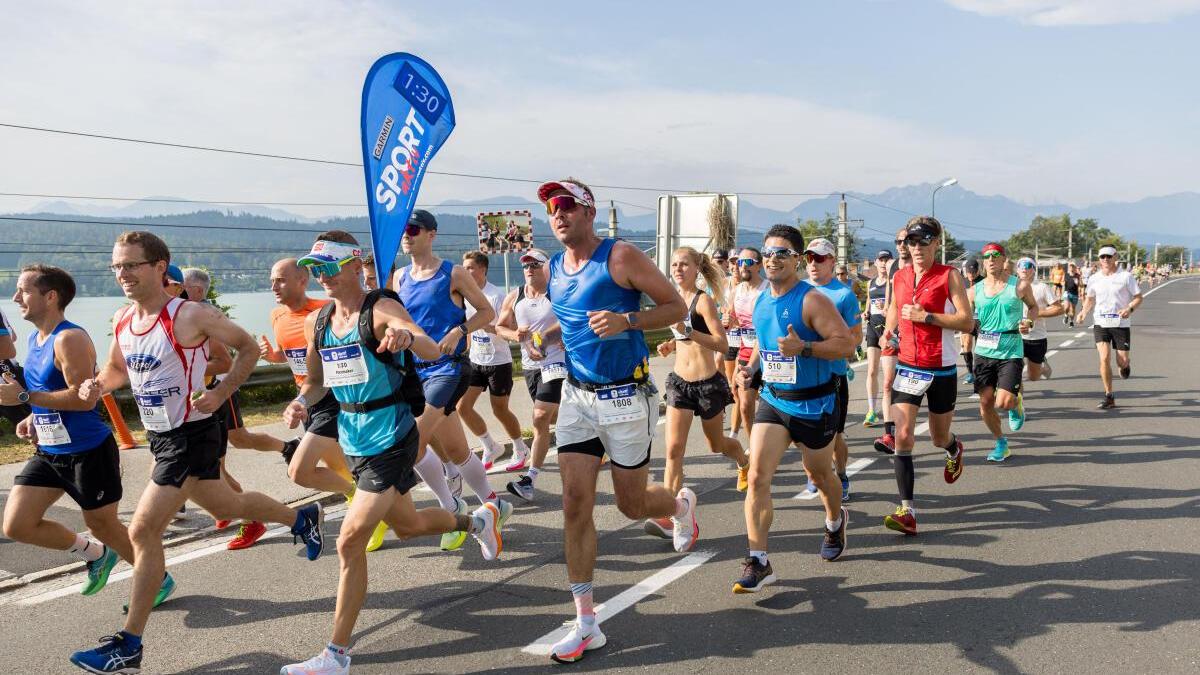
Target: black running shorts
[814,434]
[707,398]
[546,392]
[191,450]
[392,468]
[1035,350]
[942,394]
[843,403]
[92,477]
[497,379]
[323,417]
[756,380]
[998,373]
[1117,337]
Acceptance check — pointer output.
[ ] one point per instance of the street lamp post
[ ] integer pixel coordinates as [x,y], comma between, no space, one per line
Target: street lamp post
[933,211]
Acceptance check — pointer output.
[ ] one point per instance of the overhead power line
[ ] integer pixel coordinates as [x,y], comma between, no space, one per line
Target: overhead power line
[235,202]
[125,223]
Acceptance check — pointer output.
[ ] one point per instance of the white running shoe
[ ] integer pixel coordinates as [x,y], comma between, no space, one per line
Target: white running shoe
[571,648]
[687,530]
[321,664]
[491,543]
[519,461]
[491,452]
[505,509]
[1047,371]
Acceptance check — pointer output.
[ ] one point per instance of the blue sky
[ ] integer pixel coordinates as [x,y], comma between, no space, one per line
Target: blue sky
[1077,101]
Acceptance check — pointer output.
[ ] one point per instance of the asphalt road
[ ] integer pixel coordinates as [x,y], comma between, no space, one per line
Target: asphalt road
[1076,555]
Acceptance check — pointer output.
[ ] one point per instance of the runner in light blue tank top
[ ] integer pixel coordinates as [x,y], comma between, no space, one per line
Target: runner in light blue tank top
[85,429]
[369,433]
[772,316]
[590,358]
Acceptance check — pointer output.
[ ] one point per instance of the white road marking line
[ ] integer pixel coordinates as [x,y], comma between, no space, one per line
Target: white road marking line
[73,588]
[1080,334]
[626,599]
[1068,343]
[1183,302]
[1052,352]
[860,464]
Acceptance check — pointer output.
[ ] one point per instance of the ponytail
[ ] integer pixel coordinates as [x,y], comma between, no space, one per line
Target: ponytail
[714,276]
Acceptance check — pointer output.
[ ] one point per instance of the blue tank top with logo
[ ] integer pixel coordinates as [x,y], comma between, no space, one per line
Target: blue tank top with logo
[431,305]
[772,316]
[590,358]
[370,433]
[60,432]
[847,306]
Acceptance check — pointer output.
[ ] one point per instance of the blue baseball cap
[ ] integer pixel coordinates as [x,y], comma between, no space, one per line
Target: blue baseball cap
[174,275]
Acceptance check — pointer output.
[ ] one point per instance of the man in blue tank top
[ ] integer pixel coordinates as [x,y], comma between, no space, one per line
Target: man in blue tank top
[608,403]
[435,293]
[800,338]
[376,428]
[76,453]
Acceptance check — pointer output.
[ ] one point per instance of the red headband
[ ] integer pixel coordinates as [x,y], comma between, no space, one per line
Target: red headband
[994,247]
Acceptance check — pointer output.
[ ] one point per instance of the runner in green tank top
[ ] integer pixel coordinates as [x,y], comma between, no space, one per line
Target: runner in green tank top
[999,301]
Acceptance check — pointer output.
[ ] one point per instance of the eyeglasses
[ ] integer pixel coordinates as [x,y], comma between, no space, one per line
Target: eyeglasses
[131,266]
[746,262]
[778,252]
[992,254]
[924,240]
[412,230]
[815,257]
[1105,257]
[328,269]
[531,266]
[564,203]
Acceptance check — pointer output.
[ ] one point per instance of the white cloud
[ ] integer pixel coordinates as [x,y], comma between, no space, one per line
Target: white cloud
[1081,12]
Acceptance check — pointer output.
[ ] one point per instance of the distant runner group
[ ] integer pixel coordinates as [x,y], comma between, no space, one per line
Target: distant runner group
[388,377]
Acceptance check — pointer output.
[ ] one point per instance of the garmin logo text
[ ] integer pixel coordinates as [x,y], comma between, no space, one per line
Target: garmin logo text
[397,177]
[384,132]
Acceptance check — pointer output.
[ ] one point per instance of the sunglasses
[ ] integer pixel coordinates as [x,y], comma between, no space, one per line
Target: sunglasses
[899,242]
[920,241]
[328,269]
[1025,266]
[564,203]
[746,262]
[779,252]
[531,266]
[815,257]
[992,254]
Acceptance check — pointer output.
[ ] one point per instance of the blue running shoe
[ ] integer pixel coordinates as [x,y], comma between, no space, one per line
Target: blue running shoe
[97,571]
[1000,452]
[114,655]
[969,379]
[845,488]
[1016,416]
[164,591]
[755,576]
[811,487]
[308,528]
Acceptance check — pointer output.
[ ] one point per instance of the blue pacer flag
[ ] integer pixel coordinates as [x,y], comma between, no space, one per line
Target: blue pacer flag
[406,116]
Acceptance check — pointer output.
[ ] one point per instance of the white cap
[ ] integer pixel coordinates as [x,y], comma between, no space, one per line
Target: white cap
[1108,250]
[820,247]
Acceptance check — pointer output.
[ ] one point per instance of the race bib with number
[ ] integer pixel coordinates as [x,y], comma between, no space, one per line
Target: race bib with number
[735,338]
[482,348]
[988,340]
[749,337]
[620,404]
[777,368]
[1109,321]
[344,366]
[912,381]
[877,306]
[553,371]
[297,361]
[50,429]
[153,411]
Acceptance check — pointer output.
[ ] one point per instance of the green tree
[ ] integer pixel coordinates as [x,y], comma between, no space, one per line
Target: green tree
[827,228]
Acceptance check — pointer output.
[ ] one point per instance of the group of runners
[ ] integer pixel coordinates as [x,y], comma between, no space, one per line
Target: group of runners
[388,377]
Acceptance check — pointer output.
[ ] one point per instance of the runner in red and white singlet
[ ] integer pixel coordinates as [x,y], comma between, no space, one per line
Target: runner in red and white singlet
[742,333]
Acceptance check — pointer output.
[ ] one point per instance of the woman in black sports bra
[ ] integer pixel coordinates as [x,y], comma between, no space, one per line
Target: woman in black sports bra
[695,385]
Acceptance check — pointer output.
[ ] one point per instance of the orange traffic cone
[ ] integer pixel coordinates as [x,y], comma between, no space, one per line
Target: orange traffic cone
[124,438]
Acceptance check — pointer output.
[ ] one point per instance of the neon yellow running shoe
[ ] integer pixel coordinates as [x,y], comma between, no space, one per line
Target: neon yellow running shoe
[452,541]
[376,539]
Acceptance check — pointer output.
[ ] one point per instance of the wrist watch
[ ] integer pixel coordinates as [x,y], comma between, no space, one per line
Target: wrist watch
[301,400]
[23,397]
[806,351]
[631,317]
[929,317]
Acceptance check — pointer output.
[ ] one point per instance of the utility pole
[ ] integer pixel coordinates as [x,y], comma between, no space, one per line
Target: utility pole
[1037,263]
[842,239]
[1129,255]
[612,220]
[1156,253]
[1070,242]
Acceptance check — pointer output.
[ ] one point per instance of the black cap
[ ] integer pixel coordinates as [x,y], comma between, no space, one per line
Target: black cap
[971,265]
[883,254]
[925,227]
[720,254]
[423,219]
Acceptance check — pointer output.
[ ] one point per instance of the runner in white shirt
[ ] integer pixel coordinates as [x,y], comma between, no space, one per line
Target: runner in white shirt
[1115,295]
[1035,337]
[491,369]
[750,285]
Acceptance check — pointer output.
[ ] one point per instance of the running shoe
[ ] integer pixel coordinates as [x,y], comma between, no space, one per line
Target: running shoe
[835,542]
[491,452]
[308,529]
[247,534]
[886,444]
[491,542]
[522,488]
[1000,452]
[1125,373]
[1047,371]
[850,374]
[1016,416]
[902,520]
[519,461]
[164,591]
[506,510]
[289,450]
[969,379]
[845,488]
[578,641]
[810,487]
[663,528]
[452,541]
[324,663]
[743,479]
[686,529]
[114,655]
[755,576]
[376,540]
[871,420]
[954,465]
[222,524]
[350,495]
[97,571]
[1108,402]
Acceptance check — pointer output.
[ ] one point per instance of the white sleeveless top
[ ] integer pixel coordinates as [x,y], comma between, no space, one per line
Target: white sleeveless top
[489,349]
[162,373]
[537,314]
